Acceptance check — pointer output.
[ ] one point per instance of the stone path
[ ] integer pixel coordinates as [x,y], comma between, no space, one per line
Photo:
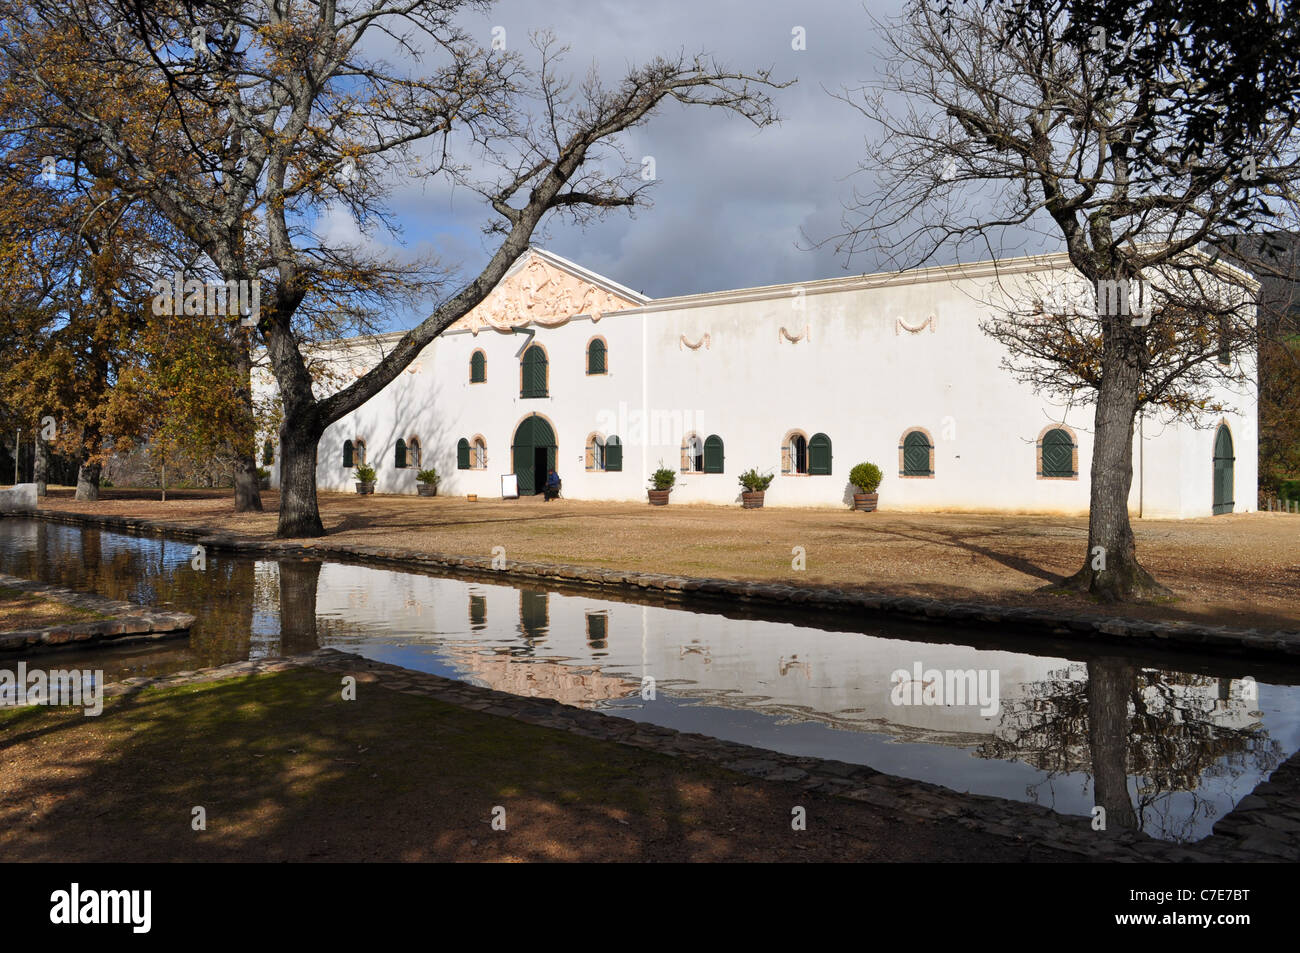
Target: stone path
[128,619]
[1264,832]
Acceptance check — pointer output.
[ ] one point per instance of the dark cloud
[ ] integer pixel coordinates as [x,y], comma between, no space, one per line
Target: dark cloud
[733,206]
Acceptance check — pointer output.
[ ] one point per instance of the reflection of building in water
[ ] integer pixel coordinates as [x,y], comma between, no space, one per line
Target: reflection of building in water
[538,677]
[584,650]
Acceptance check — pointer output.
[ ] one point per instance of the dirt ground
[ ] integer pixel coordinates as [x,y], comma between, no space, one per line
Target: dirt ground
[1238,569]
[26,610]
[284,770]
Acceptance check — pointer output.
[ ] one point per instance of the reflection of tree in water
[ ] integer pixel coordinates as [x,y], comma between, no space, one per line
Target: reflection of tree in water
[1169,730]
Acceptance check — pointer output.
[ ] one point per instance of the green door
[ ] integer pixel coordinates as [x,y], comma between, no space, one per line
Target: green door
[1223,481]
[533,433]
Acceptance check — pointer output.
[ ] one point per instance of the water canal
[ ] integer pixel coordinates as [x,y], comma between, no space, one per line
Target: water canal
[1166,742]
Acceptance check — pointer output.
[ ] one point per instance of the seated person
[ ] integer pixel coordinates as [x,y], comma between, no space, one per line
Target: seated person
[552,490]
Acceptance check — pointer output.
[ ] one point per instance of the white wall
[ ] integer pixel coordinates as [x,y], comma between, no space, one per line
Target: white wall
[856,377]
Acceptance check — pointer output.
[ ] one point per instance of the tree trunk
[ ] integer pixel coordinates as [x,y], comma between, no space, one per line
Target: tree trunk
[41,467]
[248,495]
[88,481]
[1111,572]
[299,515]
[1110,682]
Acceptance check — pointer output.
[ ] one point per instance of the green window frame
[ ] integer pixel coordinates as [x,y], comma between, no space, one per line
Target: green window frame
[399,454]
[714,456]
[349,455]
[917,454]
[478,368]
[462,454]
[613,454]
[819,455]
[596,356]
[1058,454]
[534,368]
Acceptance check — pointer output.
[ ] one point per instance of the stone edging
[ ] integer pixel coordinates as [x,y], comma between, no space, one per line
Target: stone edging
[1188,636]
[128,620]
[891,795]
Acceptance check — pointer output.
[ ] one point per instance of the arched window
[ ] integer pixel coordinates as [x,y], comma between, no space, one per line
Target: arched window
[794,453]
[477,368]
[1058,455]
[819,455]
[613,455]
[349,455]
[595,452]
[596,353]
[268,454]
[533,371]
[692,454]
[916,454]
[413,452]
[462,454]
[359,451]
[399,454]
[713,455]
[478,454]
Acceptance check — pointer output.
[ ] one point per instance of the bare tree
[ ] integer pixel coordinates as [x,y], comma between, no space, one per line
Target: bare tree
[987,121]
[248,118]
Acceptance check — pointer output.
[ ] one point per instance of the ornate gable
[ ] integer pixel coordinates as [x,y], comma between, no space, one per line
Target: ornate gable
[539,290]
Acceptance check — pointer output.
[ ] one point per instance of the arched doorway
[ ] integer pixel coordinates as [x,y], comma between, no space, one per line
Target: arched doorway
[1223,478]
[532,454]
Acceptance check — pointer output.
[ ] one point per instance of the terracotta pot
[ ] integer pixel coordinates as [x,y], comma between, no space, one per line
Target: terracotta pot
[658,497]
[866,502]
[751,500]
[365,488]
[427,489]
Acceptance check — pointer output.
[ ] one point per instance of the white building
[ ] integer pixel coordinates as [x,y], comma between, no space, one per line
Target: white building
[563,367]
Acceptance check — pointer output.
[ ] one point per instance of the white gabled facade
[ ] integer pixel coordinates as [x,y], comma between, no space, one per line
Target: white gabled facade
[860,360]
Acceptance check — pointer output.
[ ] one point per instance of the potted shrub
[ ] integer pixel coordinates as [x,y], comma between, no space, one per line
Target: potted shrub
[263,478]
[365,479]
[428,482]
[755,485]
[865,478]
[663,480]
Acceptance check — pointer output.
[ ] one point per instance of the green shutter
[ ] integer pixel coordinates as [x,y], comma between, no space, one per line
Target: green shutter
[713,456]
[916,455]
[596,357]
[477,368]
[819,454]
[268,454]
[399,454]
[534,373]
[1058,454]
[613,454]
[462,454]
[347,455]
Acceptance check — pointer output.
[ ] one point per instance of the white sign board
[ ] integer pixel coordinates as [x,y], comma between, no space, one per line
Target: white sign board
[509,486]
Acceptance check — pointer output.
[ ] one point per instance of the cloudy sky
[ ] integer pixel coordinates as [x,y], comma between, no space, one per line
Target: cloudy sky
[733,206]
